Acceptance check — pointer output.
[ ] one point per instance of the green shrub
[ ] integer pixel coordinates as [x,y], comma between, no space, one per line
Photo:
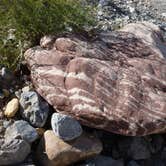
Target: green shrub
[24,22]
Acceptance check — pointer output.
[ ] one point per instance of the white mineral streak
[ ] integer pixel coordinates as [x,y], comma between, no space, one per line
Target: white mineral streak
[58,72]
[80,76]
[83,106]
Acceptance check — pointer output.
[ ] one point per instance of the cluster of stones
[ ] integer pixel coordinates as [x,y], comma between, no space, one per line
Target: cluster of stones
[62,145]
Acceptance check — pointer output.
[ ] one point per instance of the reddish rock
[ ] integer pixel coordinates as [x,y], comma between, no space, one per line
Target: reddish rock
[116,82]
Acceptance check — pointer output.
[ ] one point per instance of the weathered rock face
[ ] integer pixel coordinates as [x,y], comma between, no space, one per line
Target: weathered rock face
[116,82]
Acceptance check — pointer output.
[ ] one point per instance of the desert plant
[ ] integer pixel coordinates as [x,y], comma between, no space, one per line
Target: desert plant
[26,21]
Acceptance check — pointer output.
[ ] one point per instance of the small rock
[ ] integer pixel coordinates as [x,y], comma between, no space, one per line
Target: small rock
[47,41]
[34,109]
[65,127]
[13,152]
[132,163]
[21,129]
[12,108]
[7,75]
[54,151]
[26,89]
[104,161]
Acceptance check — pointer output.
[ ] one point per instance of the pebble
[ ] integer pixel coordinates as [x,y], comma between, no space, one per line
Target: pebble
[27,89]
[33,108]
[65,127]
[12,108]
[21,129]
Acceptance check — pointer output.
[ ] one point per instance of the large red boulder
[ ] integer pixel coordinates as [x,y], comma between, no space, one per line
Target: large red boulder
[116,82]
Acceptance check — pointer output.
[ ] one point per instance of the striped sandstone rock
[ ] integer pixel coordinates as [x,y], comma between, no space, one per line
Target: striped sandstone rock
[116,82]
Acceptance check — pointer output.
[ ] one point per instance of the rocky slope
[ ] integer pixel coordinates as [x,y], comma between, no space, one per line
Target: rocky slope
[113,14]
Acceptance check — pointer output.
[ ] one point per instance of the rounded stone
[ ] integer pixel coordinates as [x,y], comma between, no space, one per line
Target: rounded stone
[65,127]
[12,108]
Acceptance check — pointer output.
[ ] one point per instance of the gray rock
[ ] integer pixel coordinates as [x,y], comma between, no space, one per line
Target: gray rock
[21,129]
[4,124]
[65,127]
[132,163]
[27,88]
[136,148]
[34,109]
[104,161]
[13,152]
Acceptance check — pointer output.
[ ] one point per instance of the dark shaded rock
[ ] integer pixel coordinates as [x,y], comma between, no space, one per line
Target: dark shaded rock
[13,152]
[157,143]
[132,163]
[136,148]
[104,161]
[65,127]
[21,129]
[34,109]
[54,151]
[153,161]
[115,83]
[7,75]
